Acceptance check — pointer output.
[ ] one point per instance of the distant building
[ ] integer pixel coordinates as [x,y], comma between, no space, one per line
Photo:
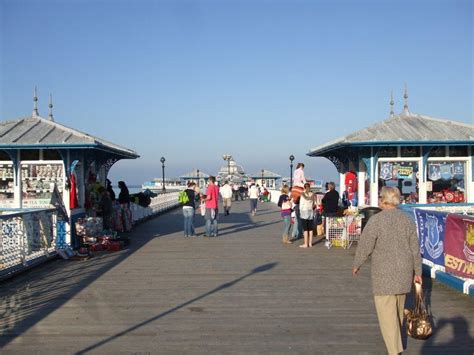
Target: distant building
[266,178]
[232,172]
[197,176]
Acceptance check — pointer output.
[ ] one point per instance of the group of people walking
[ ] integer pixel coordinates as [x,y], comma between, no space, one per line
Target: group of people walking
[209,203]
[389,238]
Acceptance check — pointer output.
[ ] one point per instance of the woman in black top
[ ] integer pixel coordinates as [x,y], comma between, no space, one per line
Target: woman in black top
[331,201]
[126,214]
[188,211]
[110,189]
[124,195]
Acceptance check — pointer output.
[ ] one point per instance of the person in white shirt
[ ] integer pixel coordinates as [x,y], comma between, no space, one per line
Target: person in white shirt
[253,196]
[226,193]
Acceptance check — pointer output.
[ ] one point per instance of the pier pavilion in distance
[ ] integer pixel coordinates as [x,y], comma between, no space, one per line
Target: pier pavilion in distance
[39,156]
[196,175]
[429,159]
[266,178]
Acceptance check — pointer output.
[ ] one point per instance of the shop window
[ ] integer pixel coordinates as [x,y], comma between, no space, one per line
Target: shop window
[29,154]
[458,151]
[410,152]
[403,175]
[51,154]
[438,152]
[388,152]
[4,156]
[446,182]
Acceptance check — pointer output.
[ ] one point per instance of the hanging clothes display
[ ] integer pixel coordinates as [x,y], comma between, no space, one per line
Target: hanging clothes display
[73,192]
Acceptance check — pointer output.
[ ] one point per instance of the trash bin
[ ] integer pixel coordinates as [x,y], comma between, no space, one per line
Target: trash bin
[368,212]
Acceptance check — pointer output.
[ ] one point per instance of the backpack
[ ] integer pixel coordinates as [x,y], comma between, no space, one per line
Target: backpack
[183,197]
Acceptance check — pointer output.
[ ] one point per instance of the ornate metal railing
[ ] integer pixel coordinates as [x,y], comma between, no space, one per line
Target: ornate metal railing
[160,203]
[26,236]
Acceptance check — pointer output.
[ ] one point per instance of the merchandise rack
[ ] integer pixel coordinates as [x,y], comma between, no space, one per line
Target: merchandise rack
[343,231]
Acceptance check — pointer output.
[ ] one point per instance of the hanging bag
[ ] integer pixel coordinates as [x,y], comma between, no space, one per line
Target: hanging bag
[418,323]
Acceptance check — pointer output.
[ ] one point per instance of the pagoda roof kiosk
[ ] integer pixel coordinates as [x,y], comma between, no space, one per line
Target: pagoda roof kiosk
[429,159]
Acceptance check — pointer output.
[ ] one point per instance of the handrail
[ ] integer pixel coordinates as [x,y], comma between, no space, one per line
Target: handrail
[26,237]
[21,212]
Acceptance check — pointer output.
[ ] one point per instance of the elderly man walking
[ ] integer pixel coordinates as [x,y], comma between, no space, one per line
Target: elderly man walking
[226,193]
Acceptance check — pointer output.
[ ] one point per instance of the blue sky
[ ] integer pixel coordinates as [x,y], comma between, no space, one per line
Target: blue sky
[192,80]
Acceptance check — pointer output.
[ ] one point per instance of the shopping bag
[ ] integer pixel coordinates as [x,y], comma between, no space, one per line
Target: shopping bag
[418,323]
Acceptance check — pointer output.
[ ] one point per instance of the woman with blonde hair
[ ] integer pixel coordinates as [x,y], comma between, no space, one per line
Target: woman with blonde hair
[285,204]
[390,238]
[307,216]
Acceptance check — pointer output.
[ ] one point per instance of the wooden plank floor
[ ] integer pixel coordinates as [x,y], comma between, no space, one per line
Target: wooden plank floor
[243,292]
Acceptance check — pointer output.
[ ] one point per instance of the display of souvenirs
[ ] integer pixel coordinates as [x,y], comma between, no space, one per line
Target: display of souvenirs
[446,171]
[6,171]
[89,226]
[434,172]
[386,171]
[447,196]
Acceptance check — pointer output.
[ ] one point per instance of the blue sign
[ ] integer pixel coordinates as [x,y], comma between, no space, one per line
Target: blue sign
[431,234]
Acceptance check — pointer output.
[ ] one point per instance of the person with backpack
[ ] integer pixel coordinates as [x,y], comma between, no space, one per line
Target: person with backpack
[188,198]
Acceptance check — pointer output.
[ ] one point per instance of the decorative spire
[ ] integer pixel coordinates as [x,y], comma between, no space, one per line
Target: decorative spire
[51,118]
[405,96]
[392,113]
[35,104]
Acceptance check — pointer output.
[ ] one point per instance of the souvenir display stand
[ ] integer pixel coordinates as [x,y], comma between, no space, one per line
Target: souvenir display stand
[94,238]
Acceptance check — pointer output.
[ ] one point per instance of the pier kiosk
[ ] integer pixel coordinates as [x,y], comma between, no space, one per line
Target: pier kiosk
[429,159]
[40,157]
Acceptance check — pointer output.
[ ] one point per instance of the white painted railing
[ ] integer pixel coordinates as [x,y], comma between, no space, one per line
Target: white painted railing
[160,203]
[26,237]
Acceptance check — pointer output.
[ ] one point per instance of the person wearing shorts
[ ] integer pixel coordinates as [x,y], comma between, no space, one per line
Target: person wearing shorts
[307,215]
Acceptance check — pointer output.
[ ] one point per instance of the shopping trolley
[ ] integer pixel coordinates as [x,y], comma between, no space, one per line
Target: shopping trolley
[343,231]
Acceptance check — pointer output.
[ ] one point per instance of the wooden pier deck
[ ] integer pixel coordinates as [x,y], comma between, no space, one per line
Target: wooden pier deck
[243,292]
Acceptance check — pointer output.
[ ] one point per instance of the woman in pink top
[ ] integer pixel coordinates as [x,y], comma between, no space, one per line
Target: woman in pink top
[298,176]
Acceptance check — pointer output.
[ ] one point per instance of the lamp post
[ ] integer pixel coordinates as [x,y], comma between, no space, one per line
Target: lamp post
[262,176]
[163,172]
[291,170]
[198,177]
[227,158]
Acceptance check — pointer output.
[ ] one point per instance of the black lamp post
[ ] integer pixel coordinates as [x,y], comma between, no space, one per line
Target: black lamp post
[163,171]
[291,169]
[262,176]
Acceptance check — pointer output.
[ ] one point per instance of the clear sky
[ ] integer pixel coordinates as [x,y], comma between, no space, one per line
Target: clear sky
[192,80]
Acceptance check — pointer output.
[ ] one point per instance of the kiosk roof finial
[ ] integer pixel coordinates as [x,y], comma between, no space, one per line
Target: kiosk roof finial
[50,116]
[405,96]
[392,113]
[35,104]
